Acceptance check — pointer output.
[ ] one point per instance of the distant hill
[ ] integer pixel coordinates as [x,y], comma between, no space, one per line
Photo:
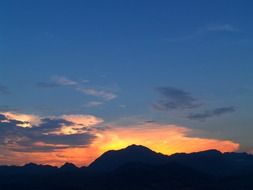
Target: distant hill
[135,153]
[210,161]
[138,168]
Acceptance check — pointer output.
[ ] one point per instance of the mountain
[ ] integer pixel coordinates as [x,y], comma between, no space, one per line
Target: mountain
[29,168]
[68,167]
[210,161]
[135,153]
[216,163]
[138,168]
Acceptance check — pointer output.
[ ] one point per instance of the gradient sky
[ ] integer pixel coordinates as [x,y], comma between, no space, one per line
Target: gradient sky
[78,78]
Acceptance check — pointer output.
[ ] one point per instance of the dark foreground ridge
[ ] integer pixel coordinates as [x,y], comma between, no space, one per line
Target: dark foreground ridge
[138,168]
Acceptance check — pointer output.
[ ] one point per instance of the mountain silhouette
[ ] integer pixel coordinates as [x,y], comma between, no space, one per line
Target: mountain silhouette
[112,159]
[138,168]
[68,167]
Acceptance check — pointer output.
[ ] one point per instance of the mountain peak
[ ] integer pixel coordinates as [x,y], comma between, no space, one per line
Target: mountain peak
[211,152]
[30,165]
[111,160]
[136,147]
[68,166]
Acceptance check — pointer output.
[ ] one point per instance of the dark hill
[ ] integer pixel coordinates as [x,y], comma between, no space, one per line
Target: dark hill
[135,153]
[138,168]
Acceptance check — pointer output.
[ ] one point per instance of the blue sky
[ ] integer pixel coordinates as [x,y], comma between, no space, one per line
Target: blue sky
[113,58]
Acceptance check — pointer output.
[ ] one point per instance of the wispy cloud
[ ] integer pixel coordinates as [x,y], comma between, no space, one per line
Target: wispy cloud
[177,99]
[212,113]
[57,81]
[64,81]
[80,86]
[93,104]
[174,98]
[106,95]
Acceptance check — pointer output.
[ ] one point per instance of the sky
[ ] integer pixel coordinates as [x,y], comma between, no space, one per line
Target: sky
[78,78]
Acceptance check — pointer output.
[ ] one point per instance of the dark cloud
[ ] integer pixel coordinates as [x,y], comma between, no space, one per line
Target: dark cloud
[150,121]
[34,148]
[174,98]
[211,113]
[4,89]
[70,140]
[56,142]
[26,139]
[50,124]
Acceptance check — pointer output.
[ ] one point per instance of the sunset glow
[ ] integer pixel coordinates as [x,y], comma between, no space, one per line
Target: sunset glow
[163,138]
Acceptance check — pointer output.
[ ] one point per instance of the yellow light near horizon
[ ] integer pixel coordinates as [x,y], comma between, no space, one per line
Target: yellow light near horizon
[166,139]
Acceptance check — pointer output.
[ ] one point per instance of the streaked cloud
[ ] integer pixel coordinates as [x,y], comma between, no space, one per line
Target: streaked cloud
[174,98]
[177,99]
[93,104]
[212,113]
[80,86]
[64,81]
[57,81]
[105,94]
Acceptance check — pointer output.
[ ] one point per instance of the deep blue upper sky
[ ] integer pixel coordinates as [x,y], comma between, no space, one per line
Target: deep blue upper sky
[184,62]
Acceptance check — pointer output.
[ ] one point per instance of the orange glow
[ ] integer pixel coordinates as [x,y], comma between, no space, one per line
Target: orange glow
[167,139]
[164,138]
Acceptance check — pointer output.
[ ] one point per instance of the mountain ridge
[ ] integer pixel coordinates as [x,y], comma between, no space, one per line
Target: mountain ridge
[137,167]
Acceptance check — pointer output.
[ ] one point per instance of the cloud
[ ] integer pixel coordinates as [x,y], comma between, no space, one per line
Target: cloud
[21,132]
[81,124]
[93,104]
[4,89]
[29,119]
[58,81]
[19,145]
[107,95]
[174,98]
[211,113]
[64,81]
